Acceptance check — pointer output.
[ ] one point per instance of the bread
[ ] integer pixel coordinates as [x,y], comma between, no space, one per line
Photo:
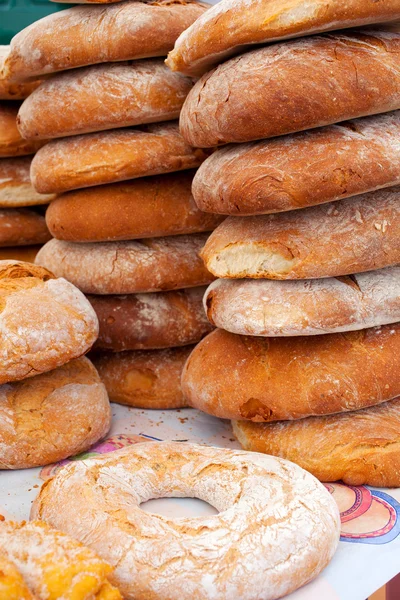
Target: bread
[13,91]
[79,161]
[148,207]
[292,86]
[276,522]
[49,417]
[359,448]
[12,584]
[103,97]
[54,565]
[305,307]
[22,227]
[15,185]
[233,25]
[302,169]
[349,236]
[152,265]
[85,35]
[44,322]
[273,379]
[11,142]
[144,379]
[20,253]
[150,321]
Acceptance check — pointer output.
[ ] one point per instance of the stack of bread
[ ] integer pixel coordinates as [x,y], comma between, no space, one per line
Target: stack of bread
[126,229]
[53,404]
[22,223]
[306,357]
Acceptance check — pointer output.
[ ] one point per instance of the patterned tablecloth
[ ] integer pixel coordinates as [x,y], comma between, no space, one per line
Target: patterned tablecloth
[369,551]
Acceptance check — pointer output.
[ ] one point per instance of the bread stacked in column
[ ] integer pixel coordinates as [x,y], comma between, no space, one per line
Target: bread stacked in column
[306,360]
[22,223]
[127,230]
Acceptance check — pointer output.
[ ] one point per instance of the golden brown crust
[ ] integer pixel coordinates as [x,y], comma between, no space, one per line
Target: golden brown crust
[150,265]
[359,448]
[11,142]
[233,25]
[303,169]
[314,81]
[12,584]
[45,322]
[22,253]
[16,189]
[329,240]
[144,379]
[81,36]
[271,379]
[13,91]
[150,321]
[22,227]
[147,207]
[54,415]
[79,161]
[108,95]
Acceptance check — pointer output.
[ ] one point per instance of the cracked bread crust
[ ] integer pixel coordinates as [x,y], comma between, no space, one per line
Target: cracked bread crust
[52,416]
[272,379]
[44,321]
[293,86]
[275,521]
[359,448]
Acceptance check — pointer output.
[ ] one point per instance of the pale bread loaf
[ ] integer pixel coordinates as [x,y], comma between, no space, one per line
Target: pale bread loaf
[305,307]
[151,265]
[272,379]
[103,97]
[54,415]
[340,238]
[16,189]
[144,379]
[150,321]
[11,142]
[293,86]
[147,207]
[108,156]
[300,170]
[233,25]
[22,227]
[359,448]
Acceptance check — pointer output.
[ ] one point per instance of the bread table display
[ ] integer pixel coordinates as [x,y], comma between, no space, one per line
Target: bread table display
[302,169]
[144,379]
[16,189]
[140,208]
[109,156]
[11,142]
[271,511]
[52,416]
[51,565]
[87,35]
[234,25]
[314,81]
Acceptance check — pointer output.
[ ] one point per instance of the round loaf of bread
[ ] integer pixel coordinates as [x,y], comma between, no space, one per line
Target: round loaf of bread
[305,307]
[150,321]
[293,86]
[45,322]
[103,97]
[233,25]
[302,169]
[152,265]
[13,91]
[78,161]
[54,415]
[359,448]
[11,142]
[144,379]
[22,227]
[341,238]
[148,207]
[276,522]
[16,189]
[273,379]
[86,35]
